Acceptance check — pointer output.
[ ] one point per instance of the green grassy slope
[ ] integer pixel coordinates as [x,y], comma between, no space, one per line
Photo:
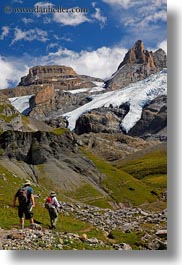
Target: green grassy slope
[121,186]
[151,169]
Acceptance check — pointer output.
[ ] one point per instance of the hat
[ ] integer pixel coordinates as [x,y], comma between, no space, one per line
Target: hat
[52,194]
[27,182]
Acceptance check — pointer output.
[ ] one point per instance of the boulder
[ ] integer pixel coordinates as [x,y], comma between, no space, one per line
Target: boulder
[97,122]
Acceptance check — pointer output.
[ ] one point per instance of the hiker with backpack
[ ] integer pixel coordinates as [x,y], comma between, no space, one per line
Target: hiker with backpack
[52,205]
[26,203]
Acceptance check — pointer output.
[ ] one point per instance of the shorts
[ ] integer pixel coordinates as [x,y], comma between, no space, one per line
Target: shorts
[25,211]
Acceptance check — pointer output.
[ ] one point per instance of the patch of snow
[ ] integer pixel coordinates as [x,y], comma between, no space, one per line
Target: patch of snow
[137,95]
[99,84]
[21,103]
[88,90]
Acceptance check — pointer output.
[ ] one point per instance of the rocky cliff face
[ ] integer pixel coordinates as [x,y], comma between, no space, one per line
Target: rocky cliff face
[10,118]
[47,74]
[137,65]
[62,77]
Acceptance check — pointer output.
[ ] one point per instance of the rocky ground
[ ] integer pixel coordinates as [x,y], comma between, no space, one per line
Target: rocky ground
[151,226]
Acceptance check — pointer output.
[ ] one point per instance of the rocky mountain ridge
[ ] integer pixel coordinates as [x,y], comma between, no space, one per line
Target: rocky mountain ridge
[55,91]
[60,76]
[137,65]
[108,120]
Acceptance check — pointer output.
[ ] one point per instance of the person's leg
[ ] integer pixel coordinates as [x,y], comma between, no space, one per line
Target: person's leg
[22,223]
[20,214]
[50,216]
[55,218]
[31,221]
[54,221]
[29,216]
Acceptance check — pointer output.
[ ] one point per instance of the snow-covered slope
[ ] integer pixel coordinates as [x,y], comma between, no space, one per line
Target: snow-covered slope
[137,95]
[21,103]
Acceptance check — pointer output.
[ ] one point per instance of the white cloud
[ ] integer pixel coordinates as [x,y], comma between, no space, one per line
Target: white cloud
[43,4]
[100,63]
[155,17]
[43,7]
[93,4]
[67,18]
[30,35]
[18,1]
[98,16]
[126,4]
[139,13]
[163,45]
[51,45]
[70,19]
[11,71]
[122,3]
[5,32]
[27,20]
[142,19]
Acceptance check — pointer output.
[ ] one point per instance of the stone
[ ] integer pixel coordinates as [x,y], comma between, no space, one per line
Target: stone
[15,235]
[162,233]
[46,94]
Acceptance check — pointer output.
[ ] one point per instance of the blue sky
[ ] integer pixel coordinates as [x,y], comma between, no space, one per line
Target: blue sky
[92,42]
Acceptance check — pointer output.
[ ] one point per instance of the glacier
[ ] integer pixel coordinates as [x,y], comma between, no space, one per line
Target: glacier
[137,95]
[21,103]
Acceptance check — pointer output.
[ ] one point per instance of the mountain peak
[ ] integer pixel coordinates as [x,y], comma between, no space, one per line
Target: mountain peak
[138,55]
[137,64]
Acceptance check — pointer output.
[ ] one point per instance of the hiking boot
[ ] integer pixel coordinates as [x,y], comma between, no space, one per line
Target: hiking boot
[32,226]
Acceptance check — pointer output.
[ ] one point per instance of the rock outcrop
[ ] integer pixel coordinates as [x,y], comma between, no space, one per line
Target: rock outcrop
[10,118]
[153,119]
[137,65]
[105,120]
[47,74]
[46,94]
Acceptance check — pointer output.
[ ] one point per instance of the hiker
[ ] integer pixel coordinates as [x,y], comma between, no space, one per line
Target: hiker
[26,203]
[52,205]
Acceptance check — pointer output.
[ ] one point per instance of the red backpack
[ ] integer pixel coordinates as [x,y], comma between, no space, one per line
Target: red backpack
[48,203]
